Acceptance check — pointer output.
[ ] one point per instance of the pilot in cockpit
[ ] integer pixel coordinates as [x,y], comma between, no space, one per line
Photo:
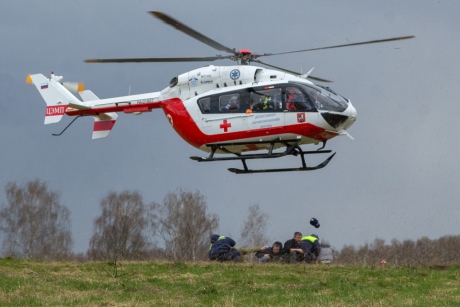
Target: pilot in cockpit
[296,101]
[291,98]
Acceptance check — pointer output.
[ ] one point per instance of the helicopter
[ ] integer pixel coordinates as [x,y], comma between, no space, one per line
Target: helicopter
[233,110]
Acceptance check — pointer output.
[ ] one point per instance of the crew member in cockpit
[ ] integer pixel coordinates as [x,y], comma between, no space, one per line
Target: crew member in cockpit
[290,100]
[296,101]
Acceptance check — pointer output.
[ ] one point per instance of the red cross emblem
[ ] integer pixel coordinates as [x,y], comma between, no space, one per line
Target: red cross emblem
[225,125]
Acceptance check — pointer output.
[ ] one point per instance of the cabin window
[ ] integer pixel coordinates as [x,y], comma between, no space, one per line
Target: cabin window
[296,100]
[229,103]
[266,100]
[233,102]
[205,104]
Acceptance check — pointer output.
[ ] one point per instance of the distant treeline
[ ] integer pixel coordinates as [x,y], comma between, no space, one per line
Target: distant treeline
[35,225]
[424,251]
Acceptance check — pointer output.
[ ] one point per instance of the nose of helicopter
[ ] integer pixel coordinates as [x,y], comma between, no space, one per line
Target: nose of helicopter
[352,115]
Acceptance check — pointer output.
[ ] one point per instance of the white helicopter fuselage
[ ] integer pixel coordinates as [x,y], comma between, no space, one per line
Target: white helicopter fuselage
[214,84]
[196,105]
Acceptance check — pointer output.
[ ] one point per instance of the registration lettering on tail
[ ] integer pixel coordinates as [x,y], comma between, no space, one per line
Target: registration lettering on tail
[55,110]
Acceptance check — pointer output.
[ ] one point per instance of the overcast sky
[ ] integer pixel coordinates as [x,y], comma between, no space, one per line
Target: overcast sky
[399,178]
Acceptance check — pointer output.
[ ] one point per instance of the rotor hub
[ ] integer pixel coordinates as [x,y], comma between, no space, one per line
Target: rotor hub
[244,56]
[244,51]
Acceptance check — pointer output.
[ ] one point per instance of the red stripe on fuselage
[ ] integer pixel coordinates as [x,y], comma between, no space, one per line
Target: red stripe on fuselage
[187,128]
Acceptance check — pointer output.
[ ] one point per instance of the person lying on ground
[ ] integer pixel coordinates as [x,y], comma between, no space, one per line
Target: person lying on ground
[274,253]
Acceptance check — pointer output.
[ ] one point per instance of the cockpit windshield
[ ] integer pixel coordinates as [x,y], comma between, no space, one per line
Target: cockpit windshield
[324,100]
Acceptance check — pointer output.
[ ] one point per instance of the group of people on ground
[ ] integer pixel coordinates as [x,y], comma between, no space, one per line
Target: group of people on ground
[296,250]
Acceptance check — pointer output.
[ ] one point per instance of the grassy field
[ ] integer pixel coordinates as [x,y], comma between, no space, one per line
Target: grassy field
[39,283]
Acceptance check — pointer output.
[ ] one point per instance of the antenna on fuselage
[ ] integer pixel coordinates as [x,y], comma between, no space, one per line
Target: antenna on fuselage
[305,76]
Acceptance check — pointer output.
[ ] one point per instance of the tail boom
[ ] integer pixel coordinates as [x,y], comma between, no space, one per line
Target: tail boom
[124,107]
[60,101]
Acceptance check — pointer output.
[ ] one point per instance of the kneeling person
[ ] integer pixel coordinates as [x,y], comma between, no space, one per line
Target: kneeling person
[221,249]
[310,247]
[293,248]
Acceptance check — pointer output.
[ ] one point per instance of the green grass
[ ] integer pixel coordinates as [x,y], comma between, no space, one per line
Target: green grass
[39,283]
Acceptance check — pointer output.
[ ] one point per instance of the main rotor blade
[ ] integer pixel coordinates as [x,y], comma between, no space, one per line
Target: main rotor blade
[144,60]
[292,72]
[189,31]
[345,45]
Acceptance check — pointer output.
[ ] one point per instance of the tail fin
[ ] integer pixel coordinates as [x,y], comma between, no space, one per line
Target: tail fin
[103,122]
[56,96]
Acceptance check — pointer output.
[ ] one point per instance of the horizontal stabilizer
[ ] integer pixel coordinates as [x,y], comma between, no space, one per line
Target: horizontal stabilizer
[87,95]
[78,106]
[103,124]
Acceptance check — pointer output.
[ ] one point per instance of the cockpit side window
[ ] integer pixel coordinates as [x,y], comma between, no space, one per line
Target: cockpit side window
[324,100]
[296,100]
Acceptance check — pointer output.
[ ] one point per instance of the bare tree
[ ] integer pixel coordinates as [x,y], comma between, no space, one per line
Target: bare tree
[34,222]
[184,225]
[254,228]
[120,232]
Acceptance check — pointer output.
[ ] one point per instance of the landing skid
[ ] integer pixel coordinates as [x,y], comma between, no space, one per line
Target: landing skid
[292,148]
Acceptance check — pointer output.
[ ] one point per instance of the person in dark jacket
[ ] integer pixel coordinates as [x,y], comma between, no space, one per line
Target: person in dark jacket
[273,253]
[310,247]
[221,249]
[293,249]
